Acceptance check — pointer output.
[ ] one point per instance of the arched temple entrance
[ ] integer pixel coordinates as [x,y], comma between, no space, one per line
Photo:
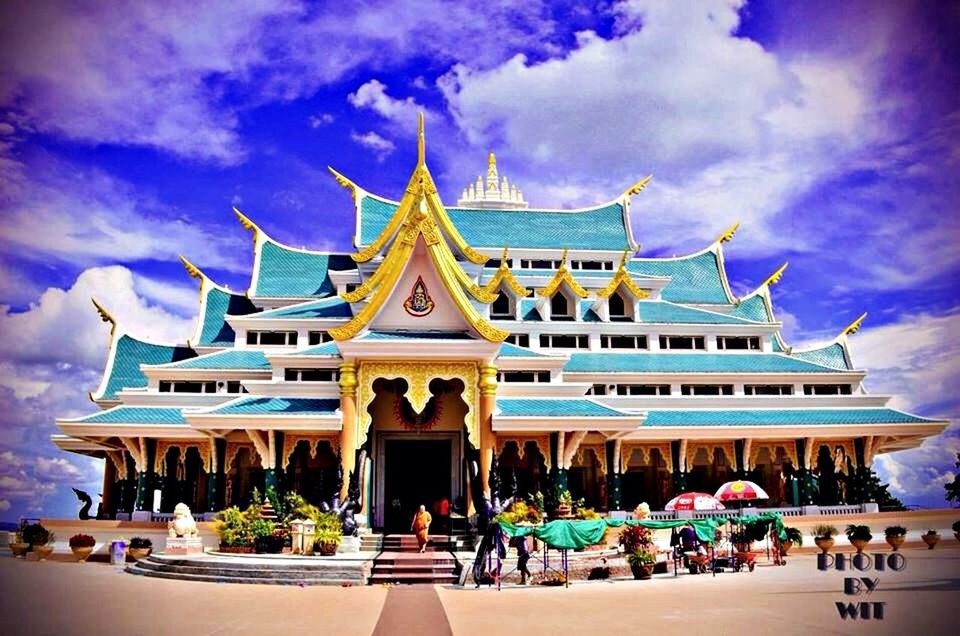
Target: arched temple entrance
[417,456]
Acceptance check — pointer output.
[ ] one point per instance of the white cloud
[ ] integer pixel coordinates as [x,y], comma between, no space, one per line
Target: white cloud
[321,119]
[4,505]
[373,95]
[56,469]
[380,146]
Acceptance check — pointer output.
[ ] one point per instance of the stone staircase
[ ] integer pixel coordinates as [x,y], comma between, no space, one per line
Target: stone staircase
[272,570]
[401,562]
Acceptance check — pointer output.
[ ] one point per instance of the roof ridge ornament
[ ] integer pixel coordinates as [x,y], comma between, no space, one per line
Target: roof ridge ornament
[105,315]
[355,191]
[249,225]
[774,278]
[622,277]
[504,275]
[727,233]
[192,270]
[854,326]
[563,275]
[493,192]
[638,186]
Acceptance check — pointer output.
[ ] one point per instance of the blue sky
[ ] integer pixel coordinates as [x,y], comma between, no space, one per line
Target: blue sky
[128,130]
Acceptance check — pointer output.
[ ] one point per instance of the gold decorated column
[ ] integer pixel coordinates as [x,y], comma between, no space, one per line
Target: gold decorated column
[488,439]
[348,426]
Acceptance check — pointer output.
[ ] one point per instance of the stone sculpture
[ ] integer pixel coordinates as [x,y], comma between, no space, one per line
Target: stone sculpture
[183,524]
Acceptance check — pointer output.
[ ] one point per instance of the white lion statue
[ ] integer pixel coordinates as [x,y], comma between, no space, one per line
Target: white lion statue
[183,524]
[642,511]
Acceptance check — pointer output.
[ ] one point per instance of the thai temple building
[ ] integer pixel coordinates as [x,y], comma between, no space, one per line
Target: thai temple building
[472,352]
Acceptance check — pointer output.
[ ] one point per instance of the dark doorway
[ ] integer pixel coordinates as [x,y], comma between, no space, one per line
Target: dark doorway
[416,472]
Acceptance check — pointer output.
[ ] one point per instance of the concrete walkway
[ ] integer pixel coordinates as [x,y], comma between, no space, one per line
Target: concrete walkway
[69,598]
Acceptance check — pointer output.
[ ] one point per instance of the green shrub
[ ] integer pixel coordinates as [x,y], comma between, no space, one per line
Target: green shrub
[641,557]
[825,531]
[81,540]
[895,531]
[857,532]
[261,528]
[794,536]
[36,534]
[233,527]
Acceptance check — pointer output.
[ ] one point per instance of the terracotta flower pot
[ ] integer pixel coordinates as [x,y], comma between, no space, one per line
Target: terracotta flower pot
[641,572]
[895,541]
[328,548]
[42,551]
[19,549]
[824,543]
[859,544]
[931,540]
[81,552]
[785,546]
[139,553]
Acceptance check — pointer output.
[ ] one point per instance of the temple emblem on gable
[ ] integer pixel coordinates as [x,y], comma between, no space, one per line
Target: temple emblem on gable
[419,303]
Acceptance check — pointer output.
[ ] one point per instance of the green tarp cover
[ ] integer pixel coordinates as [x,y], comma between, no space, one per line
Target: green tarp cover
[566,534]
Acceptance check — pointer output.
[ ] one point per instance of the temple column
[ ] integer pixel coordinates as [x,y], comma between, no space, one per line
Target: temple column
[613,449]
[678,451]
[740,451]
[348,423]
[488,439]
[265,443]
[804,452]
[857,491]
[215,474]
[106,494]
[142,453]
[560,480]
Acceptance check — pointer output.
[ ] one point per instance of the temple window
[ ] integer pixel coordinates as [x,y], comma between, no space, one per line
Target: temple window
[561,308]
[592,265]
[682,342]
[706,389]
[562,341]
[495,263]
[349,287]
[643,389]
[271,338]
[502,307]
[519,339]
[234,386]
[538,264]
[826,389]
[182,386]
[597,389]
[768,389]
[523,376]
[738,342]
[623,342]
[621,307]
[310,375]
[318,337]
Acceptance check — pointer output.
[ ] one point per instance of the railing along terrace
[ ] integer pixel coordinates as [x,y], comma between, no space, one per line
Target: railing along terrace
[849,509]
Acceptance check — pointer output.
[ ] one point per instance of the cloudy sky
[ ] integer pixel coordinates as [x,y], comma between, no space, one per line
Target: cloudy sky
[127,130]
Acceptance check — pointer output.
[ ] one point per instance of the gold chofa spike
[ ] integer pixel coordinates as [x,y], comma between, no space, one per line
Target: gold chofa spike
[775,277]
[421,150]
[104,314]
[638,186]
[346,183]
[854,326]
[192,269]
[728,233]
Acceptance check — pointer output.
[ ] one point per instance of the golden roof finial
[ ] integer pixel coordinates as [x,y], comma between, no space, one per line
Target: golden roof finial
[854,326]
[248,225]
[421,150]
[563,259]
[105,315]
[775,276]
[491,160]
[192,269]
[503,257]
[345,182]
[728,233]
[638,186]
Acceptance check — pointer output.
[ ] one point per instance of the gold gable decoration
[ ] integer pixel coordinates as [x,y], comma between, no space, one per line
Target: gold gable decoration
[418,377]
[622,277]
[290,441]
[202,446]
[521,440]
[561,276]
[727,234]
[505,276]
[420,214]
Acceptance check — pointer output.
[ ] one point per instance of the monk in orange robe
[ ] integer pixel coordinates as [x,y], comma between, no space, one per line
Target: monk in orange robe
[421,526]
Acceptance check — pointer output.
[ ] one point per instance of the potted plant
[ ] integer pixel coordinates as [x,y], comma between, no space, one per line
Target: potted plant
[82,545]
[641,564]
[956,530]
[931,538]
[329,533]
[823,536]
[793,536]
[262,532]
[18,546]
[139,548]
[233,528]
[40,540]
[858,536]
[895,536]
[564,503]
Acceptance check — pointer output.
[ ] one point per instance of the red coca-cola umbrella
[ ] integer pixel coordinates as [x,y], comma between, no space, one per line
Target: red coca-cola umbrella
[740,490]
[694,501]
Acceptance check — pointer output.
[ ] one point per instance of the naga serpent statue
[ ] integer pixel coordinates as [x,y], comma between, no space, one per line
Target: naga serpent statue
[87,504]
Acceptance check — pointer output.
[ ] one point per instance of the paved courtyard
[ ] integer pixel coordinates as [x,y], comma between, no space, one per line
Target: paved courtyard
[68,598]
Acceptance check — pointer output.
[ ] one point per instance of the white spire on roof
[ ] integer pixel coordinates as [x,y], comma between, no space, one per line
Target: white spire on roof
[496,192]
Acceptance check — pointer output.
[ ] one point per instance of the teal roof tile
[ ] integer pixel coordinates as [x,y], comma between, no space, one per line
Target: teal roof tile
[285,272]
[599,228]
[334,307]
[829,356]
[278,406]
[774,417]
[555,407]
[325,349]
[658,311]
[528,310]
[693,279]
[752,308]
[214,330]
[690,363]
[508,350]
[134,415]
[488,273]
[127,356]
[229,359]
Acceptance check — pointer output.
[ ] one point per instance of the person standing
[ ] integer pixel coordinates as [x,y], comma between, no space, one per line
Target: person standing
[421,527]
[523,556]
